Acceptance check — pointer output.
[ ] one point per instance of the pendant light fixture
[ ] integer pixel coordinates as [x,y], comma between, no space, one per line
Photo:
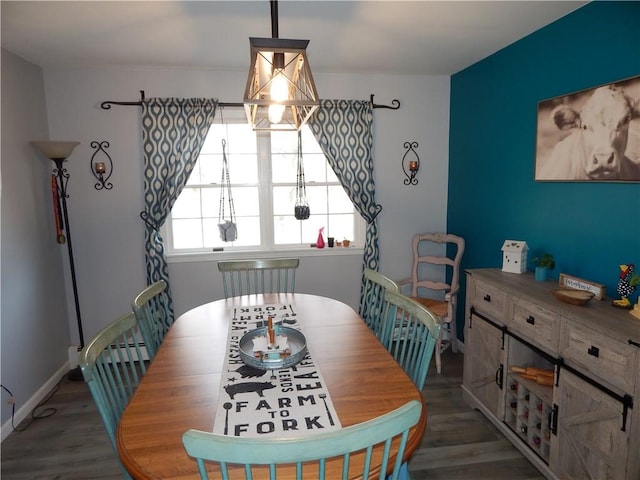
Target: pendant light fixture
[280,93]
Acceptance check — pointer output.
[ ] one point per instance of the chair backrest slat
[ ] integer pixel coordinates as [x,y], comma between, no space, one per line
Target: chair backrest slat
[422,277]
[409,333]
[151,308]
[112,367]
[374,284]
[247,277]
[319,452]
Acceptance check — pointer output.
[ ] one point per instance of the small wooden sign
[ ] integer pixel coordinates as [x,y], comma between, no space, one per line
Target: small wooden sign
[576,283]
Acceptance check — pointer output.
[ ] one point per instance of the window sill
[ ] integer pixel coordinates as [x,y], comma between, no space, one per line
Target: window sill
[253,254]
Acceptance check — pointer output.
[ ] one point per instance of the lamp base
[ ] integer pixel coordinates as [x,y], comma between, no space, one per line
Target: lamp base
[75,375]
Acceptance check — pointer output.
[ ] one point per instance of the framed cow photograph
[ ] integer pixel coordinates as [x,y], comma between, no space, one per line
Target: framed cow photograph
[590,136]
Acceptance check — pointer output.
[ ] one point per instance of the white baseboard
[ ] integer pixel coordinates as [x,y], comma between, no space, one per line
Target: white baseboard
[25,409]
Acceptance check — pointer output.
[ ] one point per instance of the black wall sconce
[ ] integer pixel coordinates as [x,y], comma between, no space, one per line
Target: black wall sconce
[410,163]
[101,165]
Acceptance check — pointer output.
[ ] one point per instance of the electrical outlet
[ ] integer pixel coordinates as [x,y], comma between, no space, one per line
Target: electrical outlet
[73,356]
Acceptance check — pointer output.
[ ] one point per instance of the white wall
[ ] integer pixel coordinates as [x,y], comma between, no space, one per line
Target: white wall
[108,233]
[35,332]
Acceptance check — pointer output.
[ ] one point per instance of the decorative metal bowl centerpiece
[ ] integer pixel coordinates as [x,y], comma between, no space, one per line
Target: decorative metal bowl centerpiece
[272,347]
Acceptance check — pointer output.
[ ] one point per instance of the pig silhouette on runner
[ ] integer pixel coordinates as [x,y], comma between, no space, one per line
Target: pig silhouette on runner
[257,387]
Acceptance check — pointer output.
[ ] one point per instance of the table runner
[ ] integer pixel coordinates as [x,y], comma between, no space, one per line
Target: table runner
[285,402]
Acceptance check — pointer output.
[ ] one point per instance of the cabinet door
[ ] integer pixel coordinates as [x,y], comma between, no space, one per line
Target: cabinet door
[483,370]
[591,443]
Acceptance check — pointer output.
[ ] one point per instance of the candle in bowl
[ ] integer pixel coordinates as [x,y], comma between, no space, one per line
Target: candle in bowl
[99,167]
[413,166]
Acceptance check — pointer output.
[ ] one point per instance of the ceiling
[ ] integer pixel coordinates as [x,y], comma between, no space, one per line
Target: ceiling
[392,37]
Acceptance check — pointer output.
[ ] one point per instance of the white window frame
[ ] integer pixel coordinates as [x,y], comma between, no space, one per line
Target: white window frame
[267,248]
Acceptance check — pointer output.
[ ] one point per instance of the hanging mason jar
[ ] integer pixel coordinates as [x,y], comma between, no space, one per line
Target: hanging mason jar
[301,210]
[227,225]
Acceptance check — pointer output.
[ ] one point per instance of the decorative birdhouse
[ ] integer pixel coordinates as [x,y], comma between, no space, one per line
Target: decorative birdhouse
[514,256]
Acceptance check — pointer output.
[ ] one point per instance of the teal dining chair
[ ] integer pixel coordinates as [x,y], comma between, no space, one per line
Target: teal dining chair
[409,332]
[112,366]
[151,308]
[372,298]
[247,277]
[320,455]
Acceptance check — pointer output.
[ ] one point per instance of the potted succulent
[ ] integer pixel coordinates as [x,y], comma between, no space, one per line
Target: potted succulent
[543,264]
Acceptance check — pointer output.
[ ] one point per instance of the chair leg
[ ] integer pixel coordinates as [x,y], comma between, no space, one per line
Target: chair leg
[403,474]
[453,331]
[437,353]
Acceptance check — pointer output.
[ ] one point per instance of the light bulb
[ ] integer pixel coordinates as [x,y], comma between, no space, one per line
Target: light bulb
[279,86]
[275,113]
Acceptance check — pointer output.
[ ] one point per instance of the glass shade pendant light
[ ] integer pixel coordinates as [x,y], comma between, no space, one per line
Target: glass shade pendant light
[280,92]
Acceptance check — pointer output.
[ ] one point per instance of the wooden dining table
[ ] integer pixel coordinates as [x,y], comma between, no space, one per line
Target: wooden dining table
[181,388]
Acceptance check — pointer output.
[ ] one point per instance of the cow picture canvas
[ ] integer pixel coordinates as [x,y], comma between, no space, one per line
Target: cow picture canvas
[590,136]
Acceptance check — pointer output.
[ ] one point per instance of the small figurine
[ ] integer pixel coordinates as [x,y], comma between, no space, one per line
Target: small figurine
[626,286]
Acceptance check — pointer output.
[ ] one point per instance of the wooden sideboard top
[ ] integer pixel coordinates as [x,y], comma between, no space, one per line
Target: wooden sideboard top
[599,315]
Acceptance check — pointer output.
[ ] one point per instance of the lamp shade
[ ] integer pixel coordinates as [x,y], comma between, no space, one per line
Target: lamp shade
[55,150]
[280,92]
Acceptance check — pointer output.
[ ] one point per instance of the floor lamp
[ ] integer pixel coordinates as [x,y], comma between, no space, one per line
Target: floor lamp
[58,152]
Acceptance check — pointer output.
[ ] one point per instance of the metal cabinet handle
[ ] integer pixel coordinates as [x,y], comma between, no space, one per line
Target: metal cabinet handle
[531,320]
[595,351]
[487,298]
[500,376]
[553,419]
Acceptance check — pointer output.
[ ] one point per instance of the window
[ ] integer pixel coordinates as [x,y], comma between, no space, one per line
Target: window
[262,172]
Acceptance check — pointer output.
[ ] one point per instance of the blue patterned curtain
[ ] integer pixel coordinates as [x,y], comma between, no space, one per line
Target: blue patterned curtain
[173,132]
[343,128]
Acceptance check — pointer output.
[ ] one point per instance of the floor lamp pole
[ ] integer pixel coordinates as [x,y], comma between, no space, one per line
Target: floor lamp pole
[62,178]
[58,152]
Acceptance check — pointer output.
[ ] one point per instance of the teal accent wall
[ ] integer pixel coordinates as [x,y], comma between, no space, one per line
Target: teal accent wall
[589,227]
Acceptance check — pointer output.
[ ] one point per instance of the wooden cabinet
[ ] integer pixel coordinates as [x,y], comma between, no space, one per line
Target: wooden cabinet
[581,425]
[538,325]
[483,369]
[592,443]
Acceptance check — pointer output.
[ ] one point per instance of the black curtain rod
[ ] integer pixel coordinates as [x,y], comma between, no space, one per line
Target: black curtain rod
[106,105]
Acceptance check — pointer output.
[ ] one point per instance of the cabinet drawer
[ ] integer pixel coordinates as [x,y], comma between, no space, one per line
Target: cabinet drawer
[487,299]
[539,326]
[614,362]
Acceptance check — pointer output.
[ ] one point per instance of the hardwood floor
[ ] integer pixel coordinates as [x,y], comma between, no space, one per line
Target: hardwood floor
[459,444]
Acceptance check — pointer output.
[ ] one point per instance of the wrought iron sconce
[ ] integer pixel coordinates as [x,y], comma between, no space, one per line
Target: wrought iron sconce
[410,163]
[101,166]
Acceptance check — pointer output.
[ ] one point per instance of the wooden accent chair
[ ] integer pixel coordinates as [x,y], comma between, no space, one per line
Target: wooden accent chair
[112,367]
[151,308]
[326,455]
[246,277]
[372,298]
[435,282]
